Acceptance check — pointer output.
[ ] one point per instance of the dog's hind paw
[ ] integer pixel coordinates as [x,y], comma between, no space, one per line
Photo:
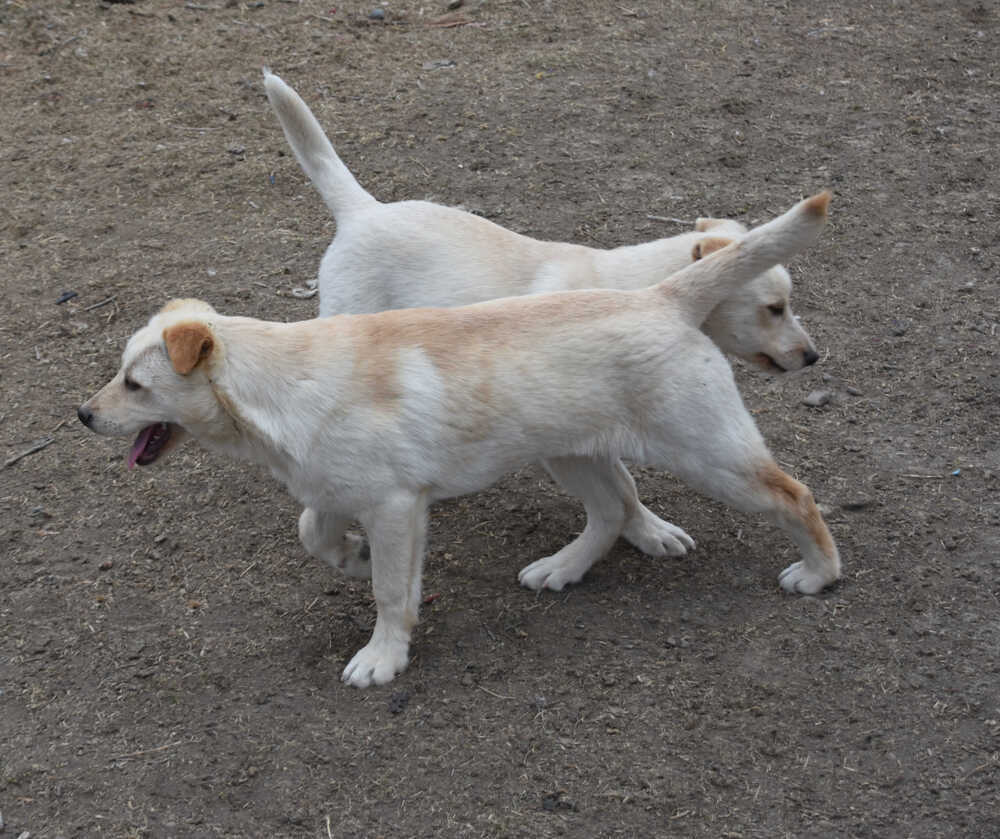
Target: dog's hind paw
[656,537]
[798,579]
[378,662]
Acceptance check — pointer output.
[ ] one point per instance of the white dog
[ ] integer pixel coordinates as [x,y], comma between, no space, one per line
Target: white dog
[414,253]
[376,416]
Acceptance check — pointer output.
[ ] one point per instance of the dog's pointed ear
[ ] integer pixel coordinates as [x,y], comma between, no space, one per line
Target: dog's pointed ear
[709,245]
[188,344]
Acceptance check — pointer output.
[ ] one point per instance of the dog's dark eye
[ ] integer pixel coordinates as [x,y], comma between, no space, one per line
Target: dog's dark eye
[132,384]
[778,309]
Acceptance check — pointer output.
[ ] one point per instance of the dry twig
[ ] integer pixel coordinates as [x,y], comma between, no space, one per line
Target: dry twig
[48,441]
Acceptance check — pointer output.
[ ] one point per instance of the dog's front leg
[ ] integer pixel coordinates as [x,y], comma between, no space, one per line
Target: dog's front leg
[324,536]
[397,530]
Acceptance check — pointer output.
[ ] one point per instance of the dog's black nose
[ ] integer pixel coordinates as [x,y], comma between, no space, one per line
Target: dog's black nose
[86,415]
[811,357]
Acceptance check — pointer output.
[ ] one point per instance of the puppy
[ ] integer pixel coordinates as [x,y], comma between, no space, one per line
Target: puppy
[375,416]
[414,253]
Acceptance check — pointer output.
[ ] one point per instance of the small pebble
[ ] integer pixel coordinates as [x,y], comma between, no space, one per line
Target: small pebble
[376,14]
[817,398]
[856,504]
[853,391]
[398,701]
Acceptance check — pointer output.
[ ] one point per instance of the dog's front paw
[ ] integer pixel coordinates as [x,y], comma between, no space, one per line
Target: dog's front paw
[552,572]
[356,557]
[348,553]
[656,537]
[378,662]
[797,578]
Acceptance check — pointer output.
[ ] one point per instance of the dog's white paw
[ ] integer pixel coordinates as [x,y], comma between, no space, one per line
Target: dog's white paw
[346,552]
[553,572]
[352,557]
[378,662]
[656,537]
[798,579]
[356,557]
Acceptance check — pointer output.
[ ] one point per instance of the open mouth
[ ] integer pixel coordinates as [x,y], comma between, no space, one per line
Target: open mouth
[149,444]
[765,362]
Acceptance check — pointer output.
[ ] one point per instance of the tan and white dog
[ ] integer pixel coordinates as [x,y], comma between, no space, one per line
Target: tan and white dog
[414,253]
[373,417]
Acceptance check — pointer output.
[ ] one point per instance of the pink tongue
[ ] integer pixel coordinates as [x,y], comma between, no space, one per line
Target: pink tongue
[140,444]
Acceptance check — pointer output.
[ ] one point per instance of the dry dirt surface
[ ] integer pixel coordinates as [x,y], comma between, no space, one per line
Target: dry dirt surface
[170,657]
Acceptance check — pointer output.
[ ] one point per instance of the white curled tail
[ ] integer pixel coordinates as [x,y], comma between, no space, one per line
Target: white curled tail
[337,186]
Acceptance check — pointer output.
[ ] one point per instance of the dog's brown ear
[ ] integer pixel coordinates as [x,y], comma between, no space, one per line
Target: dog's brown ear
[188,344]
[708,245]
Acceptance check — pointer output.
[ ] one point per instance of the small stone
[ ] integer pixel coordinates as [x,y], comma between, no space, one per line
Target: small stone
[817,398]
[608,680]
[106,565]
[857,504]
[376,14]
[899,328]
[853,391]
[398,701]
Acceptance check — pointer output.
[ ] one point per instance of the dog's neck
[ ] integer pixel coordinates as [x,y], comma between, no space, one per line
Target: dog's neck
[268,386]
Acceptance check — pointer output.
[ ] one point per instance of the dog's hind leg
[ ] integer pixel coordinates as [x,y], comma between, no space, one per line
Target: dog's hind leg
[795,510]
[325,536]
[758,485]
[397,529]
[593,482]
[643,528]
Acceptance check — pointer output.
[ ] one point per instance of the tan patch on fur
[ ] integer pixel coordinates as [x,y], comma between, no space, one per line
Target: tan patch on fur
[464,343]
[817,205]
[707,246]
[188,344]
[799,502]
[703,225]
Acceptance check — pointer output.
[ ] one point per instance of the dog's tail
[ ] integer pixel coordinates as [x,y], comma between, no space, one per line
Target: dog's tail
[701,286]
[337,186]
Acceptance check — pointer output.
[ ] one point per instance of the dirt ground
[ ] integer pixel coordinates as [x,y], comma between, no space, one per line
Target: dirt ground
[170,657]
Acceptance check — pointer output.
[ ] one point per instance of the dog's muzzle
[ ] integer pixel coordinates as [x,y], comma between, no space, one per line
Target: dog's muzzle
[85,414]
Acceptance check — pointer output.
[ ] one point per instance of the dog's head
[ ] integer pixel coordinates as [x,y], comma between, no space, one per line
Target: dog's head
[756,323]
[163,389]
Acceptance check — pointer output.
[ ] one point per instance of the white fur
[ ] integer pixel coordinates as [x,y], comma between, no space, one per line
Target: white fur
[374,417]
[413,253]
